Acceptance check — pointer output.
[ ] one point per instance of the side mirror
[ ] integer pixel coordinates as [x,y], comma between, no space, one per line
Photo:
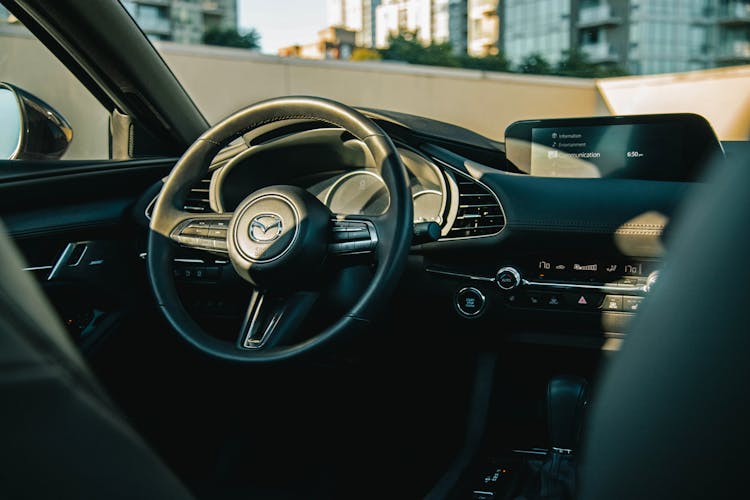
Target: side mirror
[30,129]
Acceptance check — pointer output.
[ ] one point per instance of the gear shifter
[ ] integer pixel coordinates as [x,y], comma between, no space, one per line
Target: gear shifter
[567,397]
[554,478]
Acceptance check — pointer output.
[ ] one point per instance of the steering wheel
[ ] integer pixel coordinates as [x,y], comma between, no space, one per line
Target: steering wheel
[280,238]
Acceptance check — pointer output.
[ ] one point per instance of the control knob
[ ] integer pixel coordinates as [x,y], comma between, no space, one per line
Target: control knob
[508,278]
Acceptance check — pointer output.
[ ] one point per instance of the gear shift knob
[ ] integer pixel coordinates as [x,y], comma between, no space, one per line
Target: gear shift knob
[567,396]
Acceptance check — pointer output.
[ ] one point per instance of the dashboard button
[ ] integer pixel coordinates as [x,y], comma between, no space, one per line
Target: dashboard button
[631,304]
[612,303]
[585,300]
[469,302]
[534,299]
[508,278]
[552,301]
[628,282]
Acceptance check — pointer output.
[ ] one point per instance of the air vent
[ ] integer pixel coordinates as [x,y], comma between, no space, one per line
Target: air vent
[479,211]
[197,200]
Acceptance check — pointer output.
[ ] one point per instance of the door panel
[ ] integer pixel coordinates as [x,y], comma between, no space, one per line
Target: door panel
[81,229]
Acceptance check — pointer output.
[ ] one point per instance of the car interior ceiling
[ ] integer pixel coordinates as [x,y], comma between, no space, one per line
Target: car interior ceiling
[487,322]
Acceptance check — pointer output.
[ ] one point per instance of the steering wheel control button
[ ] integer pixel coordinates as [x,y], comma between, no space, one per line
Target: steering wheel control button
[352,237]
[204,234]
[469,302]
[195,231]
[217,233]
[508,278]
[631,304]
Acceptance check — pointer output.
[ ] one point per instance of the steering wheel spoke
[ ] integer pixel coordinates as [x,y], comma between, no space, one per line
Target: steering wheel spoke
[271,318]
[353,236]
[202,232]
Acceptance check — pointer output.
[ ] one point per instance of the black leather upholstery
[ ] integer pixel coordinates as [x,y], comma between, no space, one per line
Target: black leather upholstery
[672,417]
[60,436]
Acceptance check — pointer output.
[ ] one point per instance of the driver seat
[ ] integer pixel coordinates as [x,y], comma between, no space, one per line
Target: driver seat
[61,435]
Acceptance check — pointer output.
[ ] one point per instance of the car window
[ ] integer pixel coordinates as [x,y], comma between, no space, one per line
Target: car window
[480,64]
[26,64]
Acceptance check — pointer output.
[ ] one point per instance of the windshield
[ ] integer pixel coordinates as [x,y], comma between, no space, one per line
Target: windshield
[480,64]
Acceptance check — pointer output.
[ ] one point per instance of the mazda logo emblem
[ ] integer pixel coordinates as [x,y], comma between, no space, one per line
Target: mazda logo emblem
[265,228]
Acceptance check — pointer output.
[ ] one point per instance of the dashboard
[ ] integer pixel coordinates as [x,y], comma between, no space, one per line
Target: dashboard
[527,253]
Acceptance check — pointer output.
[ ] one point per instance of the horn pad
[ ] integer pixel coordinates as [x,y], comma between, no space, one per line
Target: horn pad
[279,235]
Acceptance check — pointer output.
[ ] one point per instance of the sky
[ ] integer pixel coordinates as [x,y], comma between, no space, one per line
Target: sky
[283,22]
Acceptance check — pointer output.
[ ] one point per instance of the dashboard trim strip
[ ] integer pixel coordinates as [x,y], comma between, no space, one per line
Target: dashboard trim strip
[459,275]
[613,289]
[576,286]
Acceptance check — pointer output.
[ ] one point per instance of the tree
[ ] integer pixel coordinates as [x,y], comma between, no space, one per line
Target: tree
[365,54]
[535,64]
[576,63]
[405,46]
[496,62]
[232,38]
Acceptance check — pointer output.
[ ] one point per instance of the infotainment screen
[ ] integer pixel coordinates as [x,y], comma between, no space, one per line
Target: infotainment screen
[654,147]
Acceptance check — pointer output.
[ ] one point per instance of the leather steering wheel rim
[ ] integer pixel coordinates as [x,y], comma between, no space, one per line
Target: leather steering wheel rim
[394,227]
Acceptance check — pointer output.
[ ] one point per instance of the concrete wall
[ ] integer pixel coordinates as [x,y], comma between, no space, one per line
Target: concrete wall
[720,95]
[224,80]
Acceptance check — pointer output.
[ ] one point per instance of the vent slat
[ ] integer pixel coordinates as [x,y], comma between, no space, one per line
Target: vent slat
[479,212]
[197,201]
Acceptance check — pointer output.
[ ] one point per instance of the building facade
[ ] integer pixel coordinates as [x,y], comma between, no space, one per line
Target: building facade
[483,27]
[434,21]
[182,21]
[334,42]
[355,15]
[640,36]
[731,39]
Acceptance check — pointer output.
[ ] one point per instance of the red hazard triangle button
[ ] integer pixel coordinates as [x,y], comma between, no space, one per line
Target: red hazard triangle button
[583,301]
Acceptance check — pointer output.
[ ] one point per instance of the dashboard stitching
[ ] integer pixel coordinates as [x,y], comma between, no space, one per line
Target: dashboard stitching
[589,229]
[553,223]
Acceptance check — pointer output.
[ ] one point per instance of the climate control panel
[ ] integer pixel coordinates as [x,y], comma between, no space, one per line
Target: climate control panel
[570,286]
[619,294]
